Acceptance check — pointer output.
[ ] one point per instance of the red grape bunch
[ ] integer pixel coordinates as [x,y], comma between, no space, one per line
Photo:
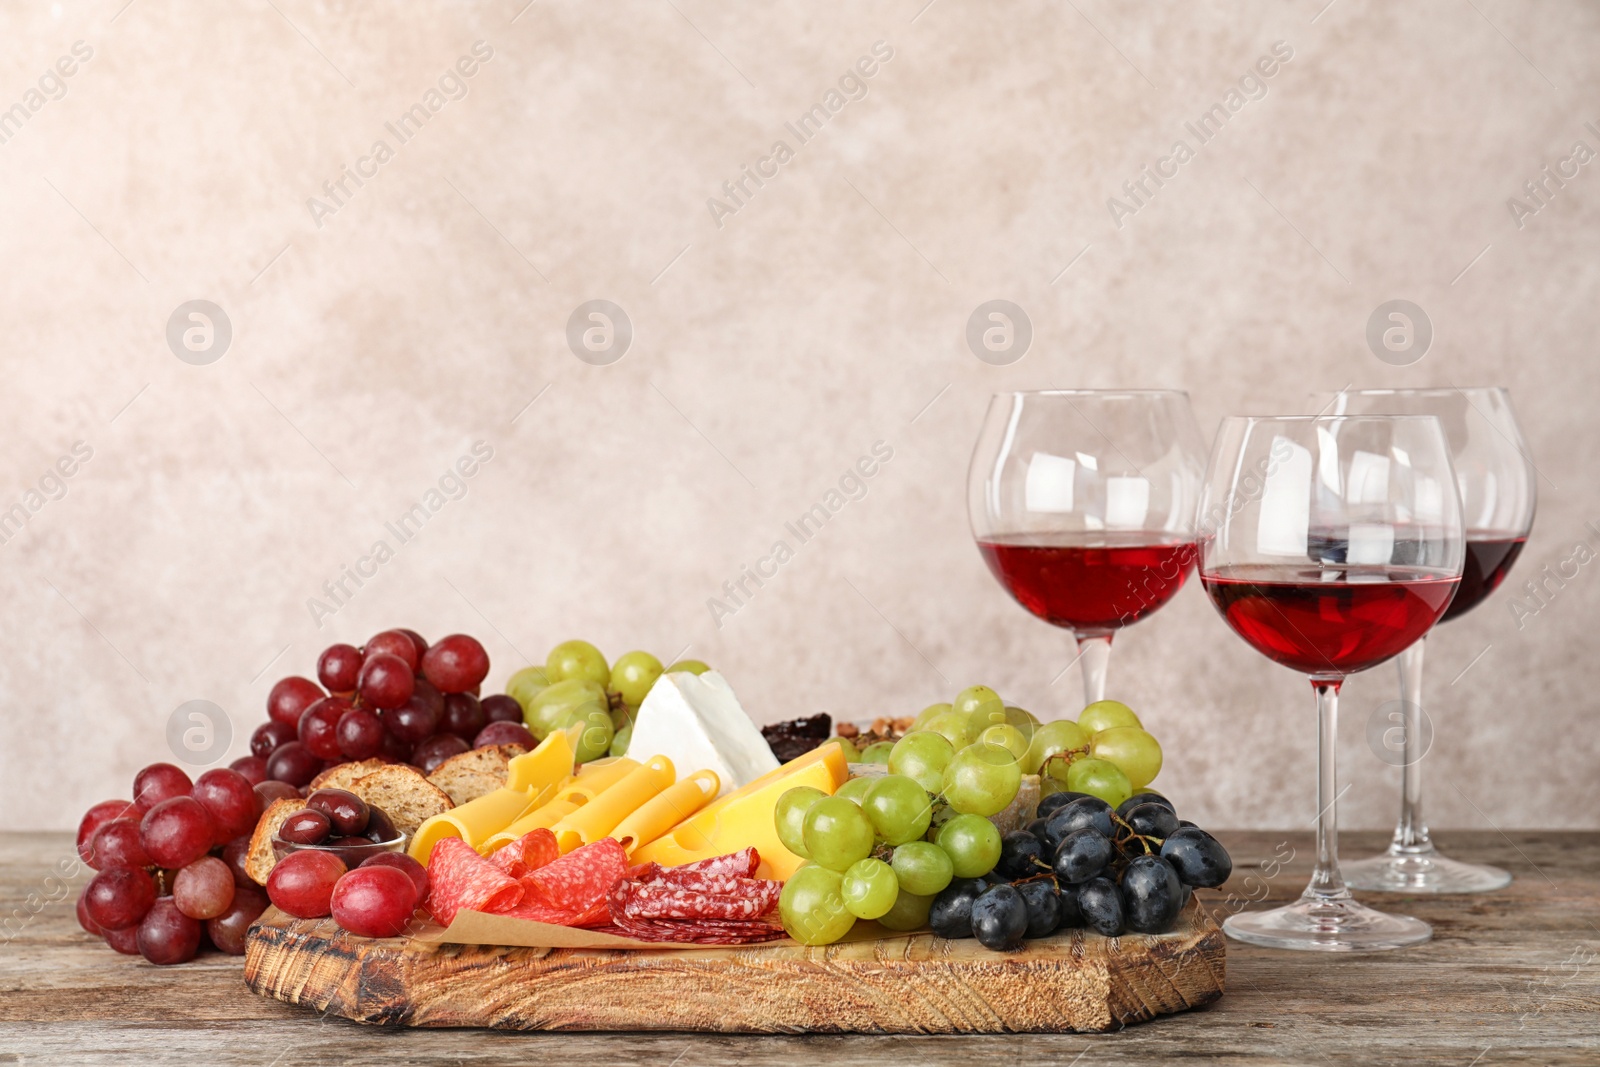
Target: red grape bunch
[397,699]
[170,864]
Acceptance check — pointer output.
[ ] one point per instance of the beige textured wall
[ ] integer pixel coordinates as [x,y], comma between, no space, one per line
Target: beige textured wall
[769,352]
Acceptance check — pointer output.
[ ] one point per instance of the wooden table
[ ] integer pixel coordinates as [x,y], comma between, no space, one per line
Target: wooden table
[1510,977]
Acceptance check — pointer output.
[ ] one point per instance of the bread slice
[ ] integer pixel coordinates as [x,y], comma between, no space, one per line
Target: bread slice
[403,794]
[470,775]
[260,860]
[344,774]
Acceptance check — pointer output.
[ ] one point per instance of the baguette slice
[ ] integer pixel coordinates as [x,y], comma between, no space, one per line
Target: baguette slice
[261,859]
[344,774]
[403,794]
[476,773]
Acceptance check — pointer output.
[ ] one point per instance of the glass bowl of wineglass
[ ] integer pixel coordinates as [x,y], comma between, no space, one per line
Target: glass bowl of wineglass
[1330,545]
[1496,482]
[1082,504]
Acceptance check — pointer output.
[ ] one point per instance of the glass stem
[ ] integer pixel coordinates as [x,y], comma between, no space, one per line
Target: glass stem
[1411,835]
[1326,882]
[1094,652]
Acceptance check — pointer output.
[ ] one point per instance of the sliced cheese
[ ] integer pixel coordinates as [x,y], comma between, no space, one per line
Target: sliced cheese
[541,818]
[606,809]
[565,798]
[595,778]
[531,780]
[744,818]
[547,765]
[474,822]
[696,721]
[667,809]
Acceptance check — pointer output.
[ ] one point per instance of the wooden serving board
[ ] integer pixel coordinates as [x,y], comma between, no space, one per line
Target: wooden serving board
[1074,981]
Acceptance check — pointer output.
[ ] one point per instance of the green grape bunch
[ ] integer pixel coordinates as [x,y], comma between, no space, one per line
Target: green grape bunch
[577,690]
[883,846]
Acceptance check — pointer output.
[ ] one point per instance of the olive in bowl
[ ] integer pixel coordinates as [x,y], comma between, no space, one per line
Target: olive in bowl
[339,822]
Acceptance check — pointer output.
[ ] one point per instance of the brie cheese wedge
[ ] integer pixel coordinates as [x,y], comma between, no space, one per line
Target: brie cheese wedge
[697,723]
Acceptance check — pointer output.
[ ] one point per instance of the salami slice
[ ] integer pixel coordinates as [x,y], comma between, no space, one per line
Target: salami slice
[598,914]
[664,901]
[694,882]
[581,878]
[741,864]
[711,902]
[532,907]
[459,878]
[532,850]
[700,931]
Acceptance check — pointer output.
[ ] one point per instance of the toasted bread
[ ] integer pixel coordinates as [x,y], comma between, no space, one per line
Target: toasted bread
[403,794]
[261,859]
[470,775]
[341,776]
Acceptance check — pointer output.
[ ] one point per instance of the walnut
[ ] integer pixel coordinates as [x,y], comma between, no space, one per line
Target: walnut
[847,729]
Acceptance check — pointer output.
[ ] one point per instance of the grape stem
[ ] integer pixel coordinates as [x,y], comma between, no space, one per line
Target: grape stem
[1143,839]
[1069,755]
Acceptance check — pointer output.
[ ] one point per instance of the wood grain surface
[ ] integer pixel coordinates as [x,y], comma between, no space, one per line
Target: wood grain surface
[1510,978]
[1076,981]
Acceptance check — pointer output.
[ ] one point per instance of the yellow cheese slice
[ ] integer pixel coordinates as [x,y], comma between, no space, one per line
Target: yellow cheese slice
[547,765]
[531,779]
[541,818]
[667,809]
[474,822]
[565,798]
[596,777]
[608,807]
[744,818]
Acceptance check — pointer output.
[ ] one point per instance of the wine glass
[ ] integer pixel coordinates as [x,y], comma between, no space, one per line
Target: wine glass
[1330,544]
[1082,504]
[1497,486]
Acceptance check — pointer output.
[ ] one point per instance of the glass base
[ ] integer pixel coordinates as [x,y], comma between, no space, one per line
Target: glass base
[1399,871]
[1321,924]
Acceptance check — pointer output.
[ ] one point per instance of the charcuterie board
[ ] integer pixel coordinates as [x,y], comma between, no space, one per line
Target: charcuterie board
[917,983]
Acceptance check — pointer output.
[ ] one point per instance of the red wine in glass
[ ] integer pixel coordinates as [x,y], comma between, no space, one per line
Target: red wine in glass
[1330,544]
[1082,504]
[1329,623]
[1496,484]
[1489,557]
[1090,582]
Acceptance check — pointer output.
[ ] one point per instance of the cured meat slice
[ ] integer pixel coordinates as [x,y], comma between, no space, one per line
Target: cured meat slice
[748,900]
[459,878]
[598,914]
[581,878]
[700,931]
[534,849]
[741,864]
[532,907]
[711,902]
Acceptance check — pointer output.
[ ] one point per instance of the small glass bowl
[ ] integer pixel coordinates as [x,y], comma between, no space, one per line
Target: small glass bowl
[352,855]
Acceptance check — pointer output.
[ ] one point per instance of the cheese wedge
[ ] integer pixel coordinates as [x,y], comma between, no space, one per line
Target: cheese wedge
[696,721]
[606,809]
[745,817]
[667,809]
[531,780]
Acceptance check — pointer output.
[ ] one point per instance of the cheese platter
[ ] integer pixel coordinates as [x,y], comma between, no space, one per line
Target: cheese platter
[618,846]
